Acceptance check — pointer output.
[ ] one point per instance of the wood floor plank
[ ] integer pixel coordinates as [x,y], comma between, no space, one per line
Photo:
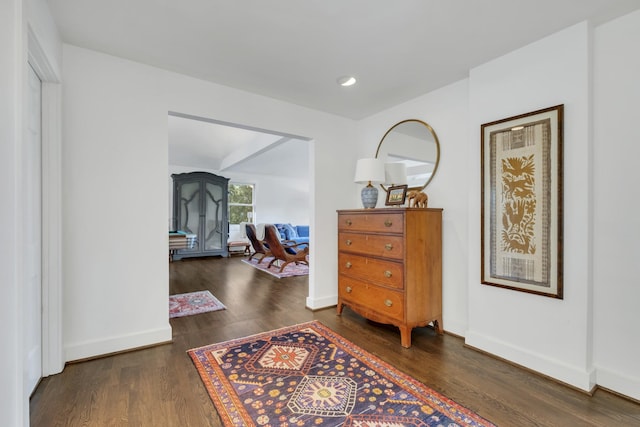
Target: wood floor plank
[159,386]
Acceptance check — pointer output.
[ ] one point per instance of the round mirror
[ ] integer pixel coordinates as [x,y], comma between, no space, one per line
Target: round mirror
[415,144]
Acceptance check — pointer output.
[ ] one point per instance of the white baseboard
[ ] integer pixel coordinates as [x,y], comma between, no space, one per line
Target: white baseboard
[324,302]
[618,383]
[453,327]
[555,369]
[100,347]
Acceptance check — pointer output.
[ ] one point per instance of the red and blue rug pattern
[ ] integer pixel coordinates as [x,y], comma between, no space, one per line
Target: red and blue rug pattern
[193,303]
[308,375]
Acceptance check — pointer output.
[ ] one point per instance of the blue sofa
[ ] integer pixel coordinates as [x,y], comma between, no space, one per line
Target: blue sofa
[296,233]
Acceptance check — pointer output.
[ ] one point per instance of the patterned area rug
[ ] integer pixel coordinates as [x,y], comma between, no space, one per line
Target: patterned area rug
[289,271]
[193,303]
[307,375]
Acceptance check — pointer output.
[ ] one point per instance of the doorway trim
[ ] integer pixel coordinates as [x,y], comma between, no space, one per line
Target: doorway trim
[52,351]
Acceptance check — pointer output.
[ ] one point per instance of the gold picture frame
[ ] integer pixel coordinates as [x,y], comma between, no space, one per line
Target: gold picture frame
[522,202]
[396,195]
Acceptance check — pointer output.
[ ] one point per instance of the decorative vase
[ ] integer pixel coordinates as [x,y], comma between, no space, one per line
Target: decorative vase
[369,196]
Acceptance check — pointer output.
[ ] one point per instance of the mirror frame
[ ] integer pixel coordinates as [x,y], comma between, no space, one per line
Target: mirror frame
[437,142]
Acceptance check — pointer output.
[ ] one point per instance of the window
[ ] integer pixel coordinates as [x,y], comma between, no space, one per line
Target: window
[240,203]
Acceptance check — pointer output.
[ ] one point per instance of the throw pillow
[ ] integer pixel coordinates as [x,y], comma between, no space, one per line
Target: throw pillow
[282,230]
[290,231]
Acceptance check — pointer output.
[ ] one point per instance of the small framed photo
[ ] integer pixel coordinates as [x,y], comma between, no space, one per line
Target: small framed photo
[396,195]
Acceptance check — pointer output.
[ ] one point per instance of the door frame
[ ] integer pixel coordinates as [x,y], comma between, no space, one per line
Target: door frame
[52,349]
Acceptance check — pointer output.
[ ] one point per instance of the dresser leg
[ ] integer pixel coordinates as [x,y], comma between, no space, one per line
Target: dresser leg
[405,336]
[437,325]
[339,308]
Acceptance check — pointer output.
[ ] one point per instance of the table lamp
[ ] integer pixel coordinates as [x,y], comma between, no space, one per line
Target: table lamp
[368,171]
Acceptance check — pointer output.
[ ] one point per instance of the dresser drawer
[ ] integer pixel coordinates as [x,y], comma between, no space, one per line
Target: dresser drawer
[381,300]
[381,245]
[382,272]
[381,223]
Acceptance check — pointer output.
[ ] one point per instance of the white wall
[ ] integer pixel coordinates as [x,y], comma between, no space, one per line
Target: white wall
[548,335]
[446,111]
[588,337]
[116,279]
[616,205]
[281,200]
[115,178]
[12,402]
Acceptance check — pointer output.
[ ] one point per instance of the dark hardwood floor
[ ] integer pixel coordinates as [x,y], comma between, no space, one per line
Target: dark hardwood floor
[159,386]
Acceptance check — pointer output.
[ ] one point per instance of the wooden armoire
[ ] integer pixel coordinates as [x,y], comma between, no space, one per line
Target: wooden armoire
[200,207]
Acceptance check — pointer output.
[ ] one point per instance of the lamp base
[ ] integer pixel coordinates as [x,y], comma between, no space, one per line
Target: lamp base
[369,197]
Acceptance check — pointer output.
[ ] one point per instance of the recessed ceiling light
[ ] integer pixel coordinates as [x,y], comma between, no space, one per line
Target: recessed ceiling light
[346,81]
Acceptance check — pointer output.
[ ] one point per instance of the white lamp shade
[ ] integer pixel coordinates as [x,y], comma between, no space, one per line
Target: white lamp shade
[369,170]
[395,173]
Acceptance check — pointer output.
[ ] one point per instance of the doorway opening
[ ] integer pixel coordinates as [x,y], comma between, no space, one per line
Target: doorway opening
[276,164]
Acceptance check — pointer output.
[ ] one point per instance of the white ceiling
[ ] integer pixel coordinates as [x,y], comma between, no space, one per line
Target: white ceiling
[294,50]
[206,144]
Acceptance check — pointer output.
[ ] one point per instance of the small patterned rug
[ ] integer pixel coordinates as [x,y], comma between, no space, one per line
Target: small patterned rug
[308,375]
[193,303]
[289,271]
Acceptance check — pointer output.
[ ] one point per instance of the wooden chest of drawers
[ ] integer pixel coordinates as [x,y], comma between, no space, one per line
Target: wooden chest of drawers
[390,266]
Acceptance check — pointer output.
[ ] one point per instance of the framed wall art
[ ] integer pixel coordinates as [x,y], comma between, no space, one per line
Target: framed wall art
[396,195]
[521,213]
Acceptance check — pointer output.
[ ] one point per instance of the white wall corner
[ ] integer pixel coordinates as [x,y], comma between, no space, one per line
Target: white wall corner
[574,376]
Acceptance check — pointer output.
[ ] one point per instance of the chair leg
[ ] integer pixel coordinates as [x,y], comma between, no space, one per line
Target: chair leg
[284,265]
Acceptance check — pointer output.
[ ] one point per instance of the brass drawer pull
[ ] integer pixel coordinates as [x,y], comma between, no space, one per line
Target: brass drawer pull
[388,302]
[387,274]
[348,242]
[348,222]
[388,223]
[349,289]
[348,264]
[388,246]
